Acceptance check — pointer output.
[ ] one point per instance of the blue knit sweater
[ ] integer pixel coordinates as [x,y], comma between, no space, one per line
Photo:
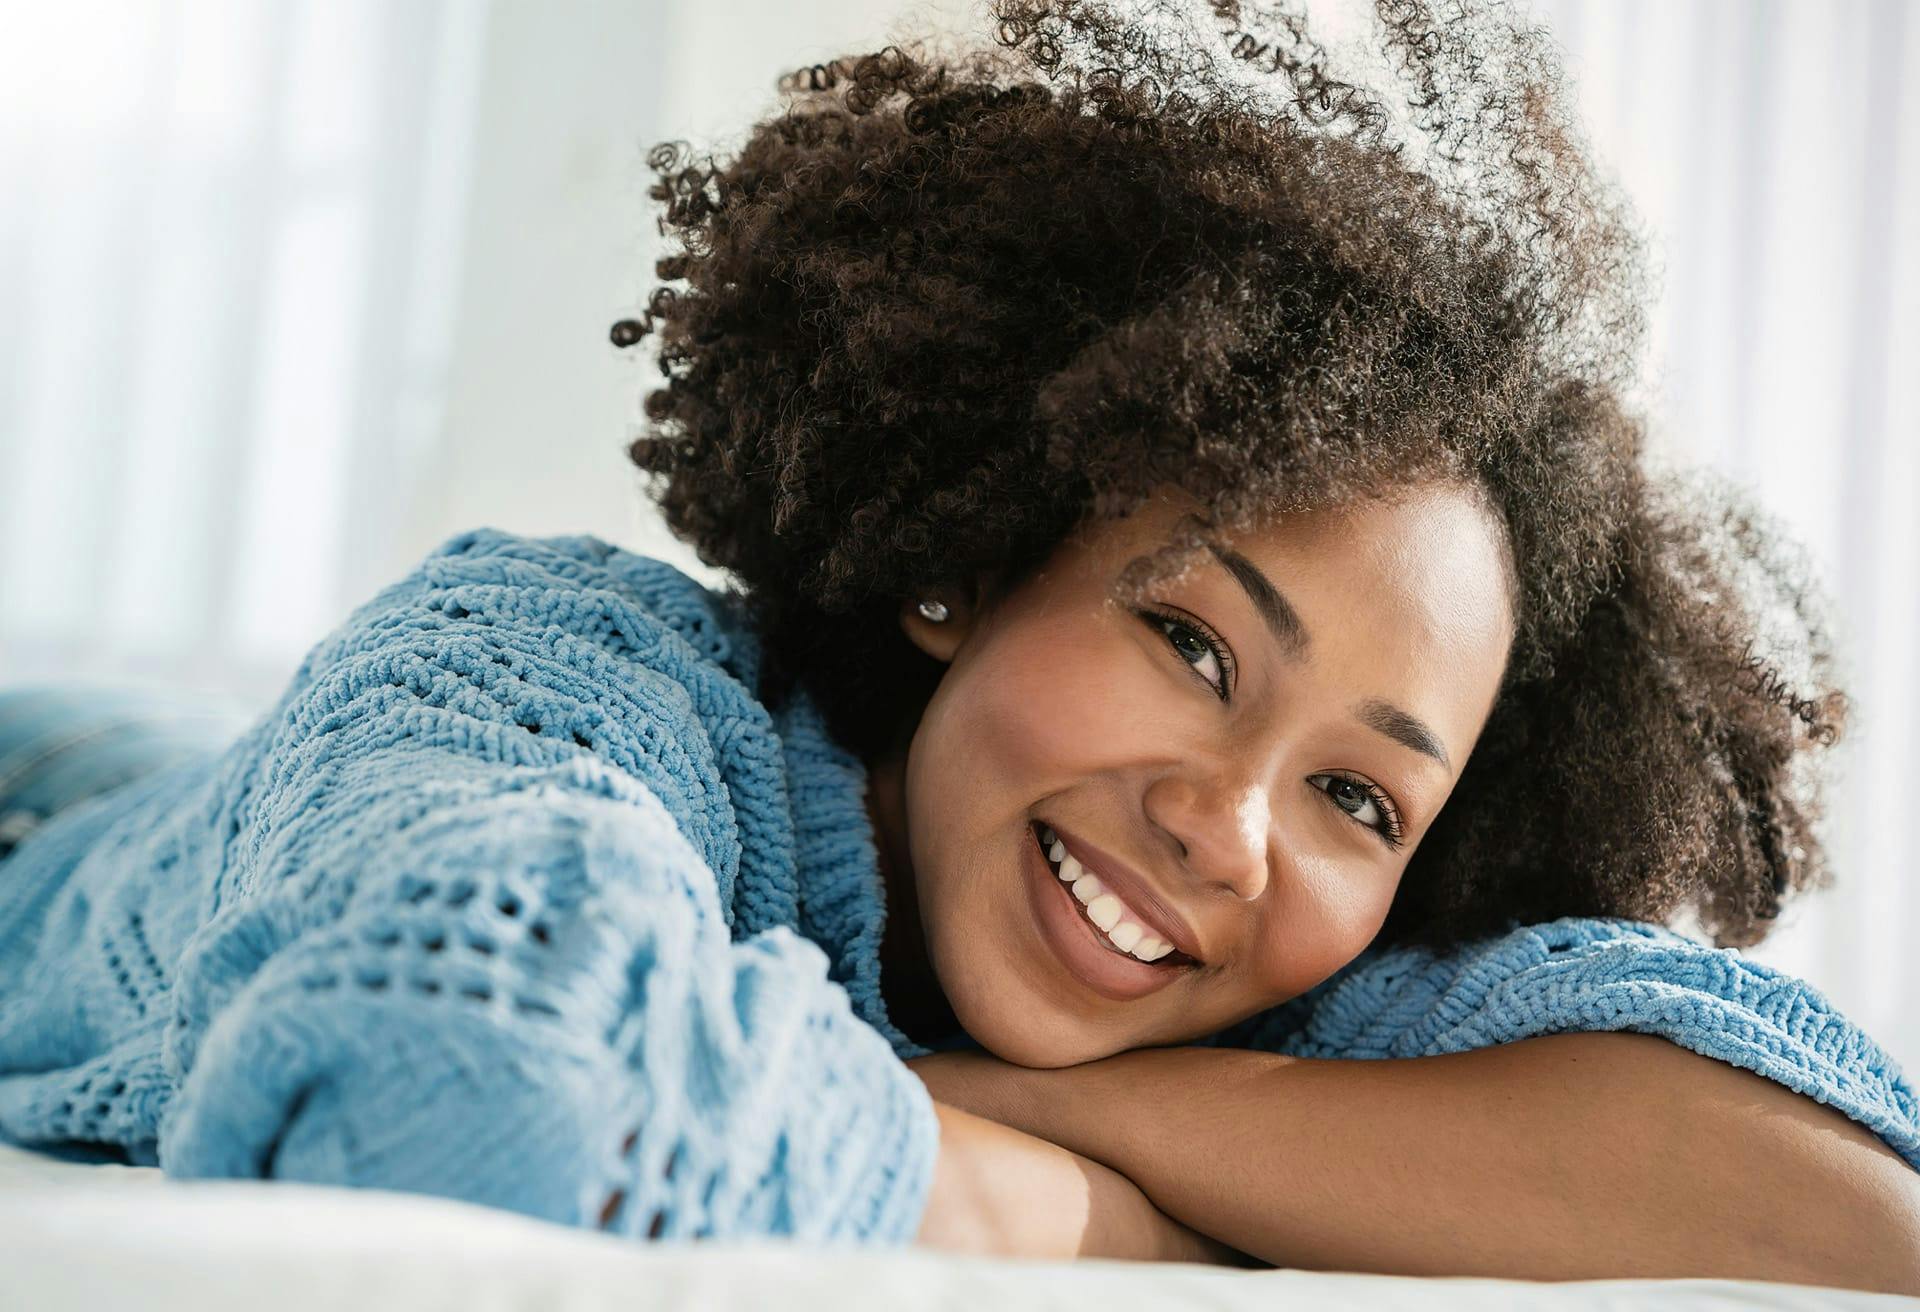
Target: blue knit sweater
[517,895]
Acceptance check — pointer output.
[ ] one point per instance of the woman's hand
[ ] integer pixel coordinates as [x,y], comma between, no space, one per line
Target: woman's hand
[1001,1189]
[998,1192]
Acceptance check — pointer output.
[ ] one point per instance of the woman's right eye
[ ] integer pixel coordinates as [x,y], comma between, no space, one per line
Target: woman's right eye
[1208,646]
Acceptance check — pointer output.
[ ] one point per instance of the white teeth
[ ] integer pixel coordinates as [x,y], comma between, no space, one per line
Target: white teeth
[1104,909]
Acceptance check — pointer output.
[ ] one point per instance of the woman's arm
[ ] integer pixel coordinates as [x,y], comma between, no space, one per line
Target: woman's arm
[1570,1156]
[530,1001]
[1000,1192]
[467,940]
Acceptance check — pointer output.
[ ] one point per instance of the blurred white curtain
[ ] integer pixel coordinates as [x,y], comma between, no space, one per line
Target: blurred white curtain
[229,231]
[1773,149]
[292,289]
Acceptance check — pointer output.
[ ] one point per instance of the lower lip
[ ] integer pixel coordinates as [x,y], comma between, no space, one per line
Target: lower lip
[1079,943]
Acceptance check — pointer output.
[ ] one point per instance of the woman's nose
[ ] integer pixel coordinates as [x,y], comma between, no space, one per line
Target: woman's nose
[1222,831]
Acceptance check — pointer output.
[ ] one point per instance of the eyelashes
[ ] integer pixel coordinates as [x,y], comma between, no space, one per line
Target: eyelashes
[1387,826]
[1371,794]
[1223,688]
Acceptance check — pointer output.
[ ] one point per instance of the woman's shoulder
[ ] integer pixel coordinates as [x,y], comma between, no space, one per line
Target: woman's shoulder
[553,588]
[584,561]
[1575,972]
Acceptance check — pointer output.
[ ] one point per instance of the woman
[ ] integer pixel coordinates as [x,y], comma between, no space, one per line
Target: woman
[1205,623]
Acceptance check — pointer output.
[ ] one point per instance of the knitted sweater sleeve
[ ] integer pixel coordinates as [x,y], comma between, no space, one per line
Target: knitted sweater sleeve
[452,956]
[1599,973]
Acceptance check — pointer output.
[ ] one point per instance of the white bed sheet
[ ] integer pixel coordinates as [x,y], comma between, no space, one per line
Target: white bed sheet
[85,1236]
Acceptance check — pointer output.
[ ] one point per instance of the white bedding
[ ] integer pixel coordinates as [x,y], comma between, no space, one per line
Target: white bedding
[92,1237]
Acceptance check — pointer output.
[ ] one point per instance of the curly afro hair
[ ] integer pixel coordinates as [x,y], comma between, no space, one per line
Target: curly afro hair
[946,305]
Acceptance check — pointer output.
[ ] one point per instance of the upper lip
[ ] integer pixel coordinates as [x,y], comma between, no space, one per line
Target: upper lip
[1133,889]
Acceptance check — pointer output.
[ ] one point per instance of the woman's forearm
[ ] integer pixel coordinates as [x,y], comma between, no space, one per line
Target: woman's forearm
[1000,1192]
[1582,1156]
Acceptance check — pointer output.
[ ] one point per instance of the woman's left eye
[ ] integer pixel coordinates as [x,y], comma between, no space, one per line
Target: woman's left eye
[1365,802]
[1208,647]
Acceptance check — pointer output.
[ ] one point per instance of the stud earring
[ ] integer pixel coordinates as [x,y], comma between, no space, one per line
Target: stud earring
[933,610]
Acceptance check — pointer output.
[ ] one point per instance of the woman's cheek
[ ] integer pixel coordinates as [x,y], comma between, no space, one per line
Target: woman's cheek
[1322,915]
[1063,694]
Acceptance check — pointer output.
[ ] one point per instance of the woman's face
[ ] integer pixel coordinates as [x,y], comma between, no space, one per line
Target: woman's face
[1263,834]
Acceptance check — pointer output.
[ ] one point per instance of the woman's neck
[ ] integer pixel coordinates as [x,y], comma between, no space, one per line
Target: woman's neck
[911,989]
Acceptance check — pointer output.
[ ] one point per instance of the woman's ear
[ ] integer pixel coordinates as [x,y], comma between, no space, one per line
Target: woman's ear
[942,638]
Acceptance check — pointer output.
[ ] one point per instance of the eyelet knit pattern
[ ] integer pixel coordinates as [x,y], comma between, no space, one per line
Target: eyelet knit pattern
[518,896]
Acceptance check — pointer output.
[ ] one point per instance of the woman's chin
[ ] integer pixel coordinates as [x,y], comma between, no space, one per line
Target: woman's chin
[1027,1036]
[1024,1017]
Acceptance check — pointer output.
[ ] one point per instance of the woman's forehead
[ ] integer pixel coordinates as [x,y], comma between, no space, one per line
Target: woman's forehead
[1436,533]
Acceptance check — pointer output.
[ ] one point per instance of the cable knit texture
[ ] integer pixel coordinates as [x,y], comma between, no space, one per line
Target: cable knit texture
[517,895]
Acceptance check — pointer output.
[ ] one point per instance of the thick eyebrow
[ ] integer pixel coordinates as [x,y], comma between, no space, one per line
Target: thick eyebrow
[1409,730]
[1281,618]
[1403,727]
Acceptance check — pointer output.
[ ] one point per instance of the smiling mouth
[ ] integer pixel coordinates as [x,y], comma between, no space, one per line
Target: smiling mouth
[1172,959]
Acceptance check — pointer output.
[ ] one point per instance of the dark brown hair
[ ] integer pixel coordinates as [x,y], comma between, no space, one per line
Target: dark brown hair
[946,306]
